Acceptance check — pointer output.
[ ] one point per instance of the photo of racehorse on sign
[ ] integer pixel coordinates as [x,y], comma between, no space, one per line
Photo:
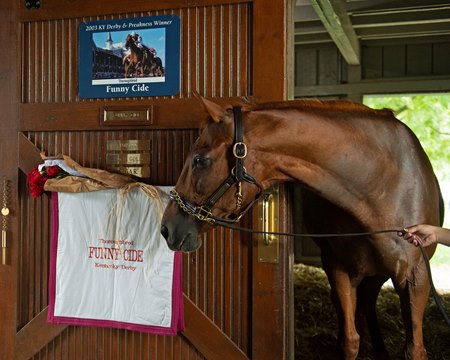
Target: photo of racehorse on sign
[141,60]
[125,54]
[129,57]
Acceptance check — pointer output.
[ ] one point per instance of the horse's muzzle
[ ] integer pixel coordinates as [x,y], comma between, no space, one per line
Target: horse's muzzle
[179,230]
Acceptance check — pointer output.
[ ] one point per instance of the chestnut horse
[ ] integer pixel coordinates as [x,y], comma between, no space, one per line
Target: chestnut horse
[134,62]
[368,168]
[141,61]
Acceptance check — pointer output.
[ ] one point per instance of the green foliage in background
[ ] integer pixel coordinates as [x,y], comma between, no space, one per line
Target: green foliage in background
[429,117]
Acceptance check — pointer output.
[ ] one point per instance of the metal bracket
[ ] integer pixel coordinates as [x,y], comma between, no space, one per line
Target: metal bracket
[268,220]
[5,213]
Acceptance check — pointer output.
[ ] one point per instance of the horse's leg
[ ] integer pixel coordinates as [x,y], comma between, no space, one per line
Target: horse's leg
[343,295]
[126,62]
[413,295]
[367,294]
[136,73]
[319,215]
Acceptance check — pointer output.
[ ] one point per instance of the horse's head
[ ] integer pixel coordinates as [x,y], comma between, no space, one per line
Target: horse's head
[213,184]
[129,40]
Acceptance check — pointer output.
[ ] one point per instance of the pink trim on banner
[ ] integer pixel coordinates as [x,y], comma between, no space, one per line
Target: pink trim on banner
[53,252]
[177,321]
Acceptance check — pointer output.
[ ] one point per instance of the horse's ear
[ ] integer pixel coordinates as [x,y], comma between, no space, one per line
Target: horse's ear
[217,112]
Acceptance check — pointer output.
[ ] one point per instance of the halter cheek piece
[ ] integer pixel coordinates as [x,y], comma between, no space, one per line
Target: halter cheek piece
[237,176]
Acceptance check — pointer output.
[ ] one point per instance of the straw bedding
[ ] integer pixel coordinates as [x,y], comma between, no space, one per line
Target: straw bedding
[316,326]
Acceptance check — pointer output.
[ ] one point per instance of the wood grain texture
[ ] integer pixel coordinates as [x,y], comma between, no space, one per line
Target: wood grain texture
[224,54]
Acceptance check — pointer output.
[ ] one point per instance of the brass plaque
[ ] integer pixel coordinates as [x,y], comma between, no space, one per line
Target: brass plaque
[127,116]
[128,159]
[137,171]
[128,145]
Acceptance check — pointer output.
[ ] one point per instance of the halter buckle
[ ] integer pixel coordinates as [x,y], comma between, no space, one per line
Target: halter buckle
[204,214]
[240,150]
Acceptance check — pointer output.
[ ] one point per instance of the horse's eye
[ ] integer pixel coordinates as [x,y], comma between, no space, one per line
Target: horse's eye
[200,162]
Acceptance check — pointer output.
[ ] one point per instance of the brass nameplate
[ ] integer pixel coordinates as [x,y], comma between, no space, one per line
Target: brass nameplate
[130,157]
[137,171]
[127,116]
[127,145]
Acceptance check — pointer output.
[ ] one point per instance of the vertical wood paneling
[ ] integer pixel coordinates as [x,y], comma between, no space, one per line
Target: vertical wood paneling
[372,62]
[419,59]
[128,346]
[328,66]
[214,54]
[441,54]
[215,58]
[215,277]
[394,61]
[306,66]
[318,65]
[404,60]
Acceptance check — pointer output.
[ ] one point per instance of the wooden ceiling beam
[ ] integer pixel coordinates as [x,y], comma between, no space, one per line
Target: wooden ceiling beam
[334,17]
[412,16]
[319,35]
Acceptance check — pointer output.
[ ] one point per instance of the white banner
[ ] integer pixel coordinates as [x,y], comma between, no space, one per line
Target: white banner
[109,265]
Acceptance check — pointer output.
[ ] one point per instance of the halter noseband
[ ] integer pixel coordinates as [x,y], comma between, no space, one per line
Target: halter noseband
[237,175]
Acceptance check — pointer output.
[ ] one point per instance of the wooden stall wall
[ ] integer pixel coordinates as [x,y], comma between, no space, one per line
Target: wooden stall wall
[387,66]
[394,59]
[236,308]
[9,89]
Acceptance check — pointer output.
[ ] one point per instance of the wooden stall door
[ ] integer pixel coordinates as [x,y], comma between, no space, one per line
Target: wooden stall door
[236,307]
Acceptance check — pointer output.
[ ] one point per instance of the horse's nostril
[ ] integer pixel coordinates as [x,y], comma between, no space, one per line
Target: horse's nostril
[164,231]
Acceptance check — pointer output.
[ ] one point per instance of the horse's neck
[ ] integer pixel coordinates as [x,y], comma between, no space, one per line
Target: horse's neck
[134,47]
[369,165]
[325,157]
[297,136]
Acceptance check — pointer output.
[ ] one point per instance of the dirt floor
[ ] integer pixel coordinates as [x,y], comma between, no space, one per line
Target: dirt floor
[315,319]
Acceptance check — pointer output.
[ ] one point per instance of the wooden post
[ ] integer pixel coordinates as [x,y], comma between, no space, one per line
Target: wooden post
[272,322]
[9,96]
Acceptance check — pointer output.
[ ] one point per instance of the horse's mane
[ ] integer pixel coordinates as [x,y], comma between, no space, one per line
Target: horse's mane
[313,105]
[317,105]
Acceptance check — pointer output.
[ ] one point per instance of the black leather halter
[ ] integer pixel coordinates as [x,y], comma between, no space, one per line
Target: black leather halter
[237,175]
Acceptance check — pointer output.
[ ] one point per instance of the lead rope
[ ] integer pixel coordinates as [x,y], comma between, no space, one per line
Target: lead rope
[436,296]
[239,228]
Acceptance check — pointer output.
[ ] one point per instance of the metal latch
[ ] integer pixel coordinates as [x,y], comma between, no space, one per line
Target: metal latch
[268,221]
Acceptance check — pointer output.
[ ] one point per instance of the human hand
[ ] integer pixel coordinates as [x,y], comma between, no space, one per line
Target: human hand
[423,235]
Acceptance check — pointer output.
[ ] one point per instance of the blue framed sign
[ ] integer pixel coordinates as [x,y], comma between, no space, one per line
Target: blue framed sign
[129,57]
